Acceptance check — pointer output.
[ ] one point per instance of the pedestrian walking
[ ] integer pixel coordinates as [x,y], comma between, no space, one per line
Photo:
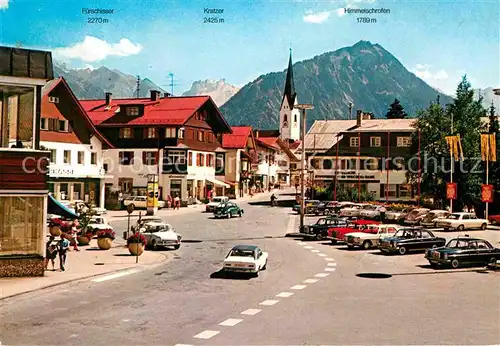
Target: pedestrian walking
[382,213]
[169,201]
[63,250]
[50,253]
[177,202]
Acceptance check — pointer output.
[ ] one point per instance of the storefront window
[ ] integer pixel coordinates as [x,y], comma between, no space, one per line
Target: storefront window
[21,225]
[16,117]
[175,187]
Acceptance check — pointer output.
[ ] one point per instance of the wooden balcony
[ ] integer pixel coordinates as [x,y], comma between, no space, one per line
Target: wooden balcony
[25,170]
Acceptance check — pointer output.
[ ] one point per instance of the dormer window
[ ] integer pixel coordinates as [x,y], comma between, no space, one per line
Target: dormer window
[150,132]
[53,99]
[132,111]
[63,126]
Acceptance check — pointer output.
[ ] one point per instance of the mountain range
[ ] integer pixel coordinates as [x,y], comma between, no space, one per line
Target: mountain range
[219,90]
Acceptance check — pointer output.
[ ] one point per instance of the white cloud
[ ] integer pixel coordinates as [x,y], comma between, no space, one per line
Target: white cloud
[4,4]
[93,49]
[438,79]
[316,17]
[341,11]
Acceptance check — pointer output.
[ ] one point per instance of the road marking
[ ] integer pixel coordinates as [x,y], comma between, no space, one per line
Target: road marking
[298,287]
[308,247]
[230,322]
[269,302]
[321,275]
[332,264]
[310,281]
[251,312]
[330,269]
[321,255]
[329,259]
[126,320]
[315,251]
[207,334]
[284,294]
[115,276]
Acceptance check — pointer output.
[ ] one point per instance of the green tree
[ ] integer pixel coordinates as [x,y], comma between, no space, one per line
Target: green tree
[494,169]
[494,126]
[396,111]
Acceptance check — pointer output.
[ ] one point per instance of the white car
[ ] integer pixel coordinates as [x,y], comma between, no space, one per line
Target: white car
[462,221]
[245,259]
[370,237]
[395,215]
[160,234]
[98,223]
[81,206]
[431,218]
[371,212]
[210,207]
[145,219]
[140,202]
[414,216]
[354,211]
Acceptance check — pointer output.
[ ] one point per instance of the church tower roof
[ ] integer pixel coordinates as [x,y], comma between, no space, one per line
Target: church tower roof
[289,85]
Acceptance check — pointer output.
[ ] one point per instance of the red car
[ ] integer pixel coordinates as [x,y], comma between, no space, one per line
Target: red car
[494,219]
[336,234]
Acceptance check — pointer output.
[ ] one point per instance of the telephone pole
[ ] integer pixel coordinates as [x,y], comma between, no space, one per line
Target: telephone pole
[138,90]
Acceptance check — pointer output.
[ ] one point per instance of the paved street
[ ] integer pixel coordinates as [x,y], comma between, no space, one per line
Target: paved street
[309,294]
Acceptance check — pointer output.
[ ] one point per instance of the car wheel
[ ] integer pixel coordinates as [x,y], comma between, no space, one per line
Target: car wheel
[176,247]
[493,222]
[239,213]
[319,236]
[492,262]
[460,228]
[402,250]
[334,241]
[455,264]
[483,226]
[154,245]
[367,244]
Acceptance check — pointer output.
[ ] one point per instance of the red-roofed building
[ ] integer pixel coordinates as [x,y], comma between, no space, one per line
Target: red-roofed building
[186,132]
[76,164]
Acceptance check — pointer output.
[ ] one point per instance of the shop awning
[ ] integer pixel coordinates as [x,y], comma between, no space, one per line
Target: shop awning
[55,207]
[218,182]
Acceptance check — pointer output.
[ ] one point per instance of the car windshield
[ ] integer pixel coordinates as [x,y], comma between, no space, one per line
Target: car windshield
[458,243]
[217,199]
[241,253]
[454,216]
[97,220]
[404,234]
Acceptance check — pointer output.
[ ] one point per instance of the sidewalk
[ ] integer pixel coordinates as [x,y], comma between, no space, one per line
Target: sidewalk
[88,262]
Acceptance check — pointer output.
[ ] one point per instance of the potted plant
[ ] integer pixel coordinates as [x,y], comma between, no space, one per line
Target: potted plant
[136,244]
[84,237]
[66,228]
[55,227]
[105,238]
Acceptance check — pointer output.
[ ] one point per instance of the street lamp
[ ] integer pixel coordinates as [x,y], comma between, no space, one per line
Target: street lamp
[303,107]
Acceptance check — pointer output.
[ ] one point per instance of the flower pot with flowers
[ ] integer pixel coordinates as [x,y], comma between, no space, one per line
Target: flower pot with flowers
[136,244]
[55,227]
[84,236]
[67,229]
[105,238]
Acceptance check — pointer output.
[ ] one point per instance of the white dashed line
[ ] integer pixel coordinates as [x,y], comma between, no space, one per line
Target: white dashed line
[284,294]
[269,302]
[115,276]
[310,281]
[330,269]
[298,287]
[332,264]
[207,334]
[251,312]
[314,251]
[321,255]
[329,259]
[321,275]
[230,322]
[308,247]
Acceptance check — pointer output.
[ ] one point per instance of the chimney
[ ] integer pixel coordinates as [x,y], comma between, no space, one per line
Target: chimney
[108,98]
[155,95]
[359,115]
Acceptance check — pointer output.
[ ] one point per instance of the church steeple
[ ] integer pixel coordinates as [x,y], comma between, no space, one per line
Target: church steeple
[289,85]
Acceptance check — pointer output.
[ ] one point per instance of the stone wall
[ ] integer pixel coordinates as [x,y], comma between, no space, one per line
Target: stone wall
[16,266]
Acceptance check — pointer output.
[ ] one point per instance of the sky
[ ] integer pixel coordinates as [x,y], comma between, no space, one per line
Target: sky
[439,40]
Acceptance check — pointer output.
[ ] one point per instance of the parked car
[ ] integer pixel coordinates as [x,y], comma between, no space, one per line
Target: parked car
[210,207]
[143,220]
[81,206]
[370,237]
[227,210]
[310,206]
[140,202]
[371,212]
[246,259]
[355,210]
[397,216]
[413,216]
[431,218]
[463,250]
[97,223]
[318,229]
[462,221]
[494,219]
[410,239]
[325,208]
[160,234]
[336,234]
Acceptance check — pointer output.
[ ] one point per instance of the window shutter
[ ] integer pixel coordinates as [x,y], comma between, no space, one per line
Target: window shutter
[190,158]
[70,128]
[144,157]
[145,133]
[120,156]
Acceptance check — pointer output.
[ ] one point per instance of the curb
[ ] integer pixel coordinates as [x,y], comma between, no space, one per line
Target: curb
[144,266]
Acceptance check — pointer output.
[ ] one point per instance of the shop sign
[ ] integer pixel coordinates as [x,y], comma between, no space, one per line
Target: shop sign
[487,193]
[451,190]
[61,171]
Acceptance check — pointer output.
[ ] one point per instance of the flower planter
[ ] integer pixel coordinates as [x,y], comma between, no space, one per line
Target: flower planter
[136,249]
[83,240]
[104,243]
[55,231]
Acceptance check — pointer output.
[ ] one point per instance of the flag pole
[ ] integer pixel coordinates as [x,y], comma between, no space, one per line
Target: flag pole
[387,167]
[359,167]
[336,170]
[487,173]
[419,169]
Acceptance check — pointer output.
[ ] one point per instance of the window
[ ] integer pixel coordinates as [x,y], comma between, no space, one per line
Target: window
[371,164]
[132,111]
[81,158]
[404,190]
[67,157]
[351,164]
[44,124]
[210,137]
[375,141]
[150,132]
[295,118]
[21,225]
[63,126]
[53,155]
[219,163]
[190,158]
[404,141]
[392,190]
[170,132]
[200,160]
[149,157]
[177,157]
[126,132]
[126,158]
[181,133]
[125,184]
[210,160]
[16,109]
[327,164]
[354,142]
[53,99]
[201,136]
[93,158]
[105,167]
